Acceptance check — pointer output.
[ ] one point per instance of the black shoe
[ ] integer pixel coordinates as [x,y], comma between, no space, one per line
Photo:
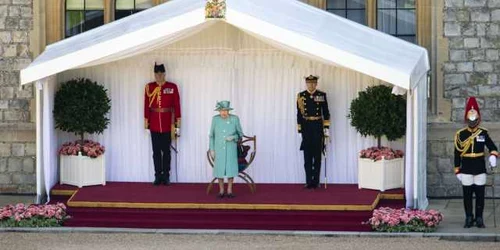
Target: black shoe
[220,195]
[157,182]
[231,195]
[469,221]
[480,222]
[166,182]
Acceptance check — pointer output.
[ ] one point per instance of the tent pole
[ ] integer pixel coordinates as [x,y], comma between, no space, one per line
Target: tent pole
[39,151]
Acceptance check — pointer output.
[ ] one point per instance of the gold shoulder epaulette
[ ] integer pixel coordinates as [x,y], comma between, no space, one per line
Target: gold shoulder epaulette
[483,129]
[460,131]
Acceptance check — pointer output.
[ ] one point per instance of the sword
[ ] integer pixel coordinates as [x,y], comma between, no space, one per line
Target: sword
[174,148]
[493,172]
[325,153]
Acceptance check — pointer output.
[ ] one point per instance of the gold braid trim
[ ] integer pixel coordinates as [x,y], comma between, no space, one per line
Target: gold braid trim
[156,93]
[300,103]
[464,146]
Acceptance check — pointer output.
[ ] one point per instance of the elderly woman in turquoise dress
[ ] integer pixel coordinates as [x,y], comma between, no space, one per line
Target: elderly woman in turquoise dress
[225,133]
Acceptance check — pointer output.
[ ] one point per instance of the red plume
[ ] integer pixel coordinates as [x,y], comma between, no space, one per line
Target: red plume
[471,103]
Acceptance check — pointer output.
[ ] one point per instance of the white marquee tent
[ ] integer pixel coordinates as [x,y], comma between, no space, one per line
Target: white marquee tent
[255,57]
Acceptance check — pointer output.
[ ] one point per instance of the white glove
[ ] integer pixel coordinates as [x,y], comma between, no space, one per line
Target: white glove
[212,154]
[493,161]
[230,138]
[459,177]
[178,132]
[326,132]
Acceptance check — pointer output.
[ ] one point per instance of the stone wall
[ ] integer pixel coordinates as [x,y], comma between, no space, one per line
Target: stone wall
[472,28]
[17,134]
[473,69]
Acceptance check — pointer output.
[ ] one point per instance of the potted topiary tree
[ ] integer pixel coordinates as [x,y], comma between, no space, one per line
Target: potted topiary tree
[81,107]
[379,113]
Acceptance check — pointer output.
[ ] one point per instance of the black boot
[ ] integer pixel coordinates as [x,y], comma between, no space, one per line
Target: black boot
[157,181]
[479,191]
[469,221]
[166,181]
[469,217]
[480,222]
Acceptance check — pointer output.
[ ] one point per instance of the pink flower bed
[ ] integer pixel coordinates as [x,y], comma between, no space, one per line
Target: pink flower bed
[377,154]
[387,219]
[20,215]
[88,148]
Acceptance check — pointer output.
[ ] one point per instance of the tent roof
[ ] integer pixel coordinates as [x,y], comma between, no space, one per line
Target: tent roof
[307,30]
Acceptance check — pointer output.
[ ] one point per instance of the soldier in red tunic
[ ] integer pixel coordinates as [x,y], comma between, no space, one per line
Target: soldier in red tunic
[162,116]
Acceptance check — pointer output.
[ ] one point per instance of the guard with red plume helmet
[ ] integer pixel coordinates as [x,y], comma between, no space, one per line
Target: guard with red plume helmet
[470,165]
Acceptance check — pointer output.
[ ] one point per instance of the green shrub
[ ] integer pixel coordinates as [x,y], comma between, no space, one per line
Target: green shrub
[81,106]
[377,112]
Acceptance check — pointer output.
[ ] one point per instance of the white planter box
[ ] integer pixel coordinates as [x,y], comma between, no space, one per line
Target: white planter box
[380,175]
[82,170]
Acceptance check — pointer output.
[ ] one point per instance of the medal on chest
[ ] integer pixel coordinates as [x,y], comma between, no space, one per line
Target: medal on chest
[168,91]
[319,98]
[480,138]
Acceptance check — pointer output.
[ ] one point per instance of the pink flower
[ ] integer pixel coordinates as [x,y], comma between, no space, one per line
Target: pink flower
[376,154]
[89,148]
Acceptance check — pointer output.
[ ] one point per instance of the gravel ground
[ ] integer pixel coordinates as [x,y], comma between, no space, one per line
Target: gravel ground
[70,241]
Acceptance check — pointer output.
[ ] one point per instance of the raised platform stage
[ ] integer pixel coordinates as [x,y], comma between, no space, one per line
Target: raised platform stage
[340,207]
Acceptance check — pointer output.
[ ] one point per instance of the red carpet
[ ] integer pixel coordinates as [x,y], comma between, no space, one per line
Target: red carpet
[187,206]
[193,196]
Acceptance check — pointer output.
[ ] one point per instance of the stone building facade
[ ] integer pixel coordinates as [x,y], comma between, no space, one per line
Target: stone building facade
[17,130]
[471,67]
[462,37]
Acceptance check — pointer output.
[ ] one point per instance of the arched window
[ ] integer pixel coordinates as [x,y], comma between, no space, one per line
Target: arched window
[83,15]
[125,8]
[397,17]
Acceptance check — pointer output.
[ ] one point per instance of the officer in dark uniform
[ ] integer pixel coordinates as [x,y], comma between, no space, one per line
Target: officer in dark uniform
[470,167]
[313,122]
[162,116]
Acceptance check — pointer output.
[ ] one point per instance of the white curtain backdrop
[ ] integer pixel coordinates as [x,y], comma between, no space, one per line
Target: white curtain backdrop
[219,63]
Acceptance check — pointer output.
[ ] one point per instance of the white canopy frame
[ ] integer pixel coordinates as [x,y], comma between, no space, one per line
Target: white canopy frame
[306,30]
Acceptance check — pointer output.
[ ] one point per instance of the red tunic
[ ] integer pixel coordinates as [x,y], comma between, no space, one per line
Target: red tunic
[162,109]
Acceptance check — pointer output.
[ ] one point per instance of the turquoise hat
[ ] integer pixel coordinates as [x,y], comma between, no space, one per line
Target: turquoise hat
[223,105]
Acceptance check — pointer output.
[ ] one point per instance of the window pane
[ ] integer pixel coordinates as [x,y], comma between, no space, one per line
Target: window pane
[406,4]
[338,12]
[143,4]
[356,4]
[74,23]
[406,22]
[124,4]
[356,16]
[119,14]
[336,4]
[411,39]
[93,19]
[74,4]
[94,5]
[387,21]
[386,3]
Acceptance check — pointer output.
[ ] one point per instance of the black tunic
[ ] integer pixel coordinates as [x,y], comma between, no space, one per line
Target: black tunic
[469,150]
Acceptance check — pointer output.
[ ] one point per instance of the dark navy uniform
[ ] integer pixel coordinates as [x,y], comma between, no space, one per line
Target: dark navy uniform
[470,162]
[469,150]
[470,165]
[312,117]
